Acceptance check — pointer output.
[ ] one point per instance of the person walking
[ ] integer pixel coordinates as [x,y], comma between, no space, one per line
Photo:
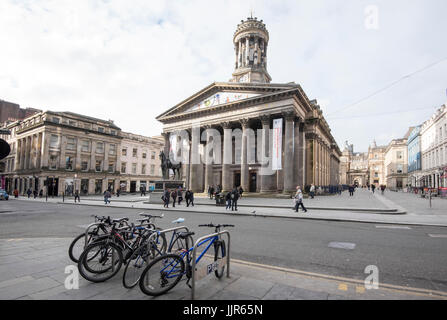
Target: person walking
[28,192]
[76,194]
[299,199]
[228,200]
[234,198]
[179,195]
[16,193]
[241,191]
[40,193]
[312,191]
[187,197]
[351,190]
[382,188]
[118,191]
[174,197]
[107,196]
[191,198]
[35,194]
[165,198]
[373,187]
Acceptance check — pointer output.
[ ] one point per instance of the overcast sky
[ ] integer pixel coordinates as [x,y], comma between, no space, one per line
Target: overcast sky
[130,60]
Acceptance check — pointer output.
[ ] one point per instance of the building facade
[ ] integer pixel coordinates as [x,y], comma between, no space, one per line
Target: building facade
[434,150]
[414,158]
[396,164]
[60,152]
[354,168]
[248,132]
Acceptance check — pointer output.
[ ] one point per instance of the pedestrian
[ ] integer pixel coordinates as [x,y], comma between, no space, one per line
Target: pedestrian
[118,191]
[179,195]
[107,196]
[351,190]
[16,193]
[312,191]
[191,198]
[77,196]
[165,197]
[299,199]
[228,200]
[40,193]
[174,197]
[35,194]
[187,197]
[28,192]
[340,188]
[373,187]
[234,198]
[382,188]
[241,191]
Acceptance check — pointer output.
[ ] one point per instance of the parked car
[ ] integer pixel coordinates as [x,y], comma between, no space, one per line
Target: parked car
[3,195]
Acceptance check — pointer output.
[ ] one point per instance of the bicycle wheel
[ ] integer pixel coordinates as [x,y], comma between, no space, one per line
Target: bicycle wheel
[78,245]
[219,253]
[180,244]
[162,274]
[139,260]
[100,261]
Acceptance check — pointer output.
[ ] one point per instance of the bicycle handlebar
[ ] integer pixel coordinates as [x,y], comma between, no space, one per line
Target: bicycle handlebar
[216,225]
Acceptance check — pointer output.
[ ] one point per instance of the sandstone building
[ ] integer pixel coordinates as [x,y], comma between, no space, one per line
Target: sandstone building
[266,137]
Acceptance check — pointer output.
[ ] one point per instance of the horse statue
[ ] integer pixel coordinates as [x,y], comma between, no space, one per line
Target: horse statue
[166,164]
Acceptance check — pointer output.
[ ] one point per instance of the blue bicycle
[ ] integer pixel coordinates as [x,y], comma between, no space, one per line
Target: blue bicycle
[165,272]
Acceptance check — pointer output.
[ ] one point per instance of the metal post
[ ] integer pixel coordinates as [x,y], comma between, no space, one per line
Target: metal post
[429,196]
[194,254]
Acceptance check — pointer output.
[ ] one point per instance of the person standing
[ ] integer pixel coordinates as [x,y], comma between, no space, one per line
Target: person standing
[77,196]
[351,190]
[166,196]
[107,196]
[16,193]
[312,191]
[228,200]
[179,195]
[28,192]
[241,191]
[234,198]
[35,194]
[174,197]
[299,199]
[118,191]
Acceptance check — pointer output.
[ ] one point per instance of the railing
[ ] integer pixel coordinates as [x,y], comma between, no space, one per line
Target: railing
[194,254]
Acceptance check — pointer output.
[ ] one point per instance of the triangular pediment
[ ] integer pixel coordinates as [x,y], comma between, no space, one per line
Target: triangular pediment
[220,94]
[221,97]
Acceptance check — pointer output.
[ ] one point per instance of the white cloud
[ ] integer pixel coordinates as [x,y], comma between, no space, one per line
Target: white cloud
[131,60]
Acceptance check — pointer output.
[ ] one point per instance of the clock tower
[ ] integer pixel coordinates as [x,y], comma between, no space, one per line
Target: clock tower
[250,45]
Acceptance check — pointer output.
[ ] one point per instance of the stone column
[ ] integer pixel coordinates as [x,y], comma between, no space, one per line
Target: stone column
[267,178]
[17,155]
[245,177]
[45,149]
[288,152]
[39,150]
[239,55]
[62,146]
[78,154]
[227,184]
[92,158]
[209,174]
[105,167]
[247,51]
[195,166]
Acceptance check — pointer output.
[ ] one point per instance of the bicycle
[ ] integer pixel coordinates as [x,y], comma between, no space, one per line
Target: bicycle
[141,256]
[101,228]
[103,258]
[165,272]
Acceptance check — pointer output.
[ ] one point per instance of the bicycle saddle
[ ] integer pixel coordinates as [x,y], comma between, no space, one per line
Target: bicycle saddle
[184,235]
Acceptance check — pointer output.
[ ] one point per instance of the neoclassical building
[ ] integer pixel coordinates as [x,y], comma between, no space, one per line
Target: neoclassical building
[249,132]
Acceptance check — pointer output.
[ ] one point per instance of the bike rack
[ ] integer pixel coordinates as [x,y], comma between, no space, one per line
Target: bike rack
[194,254]
[167,230]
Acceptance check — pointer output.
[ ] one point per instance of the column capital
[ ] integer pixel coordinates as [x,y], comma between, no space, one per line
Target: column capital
[245,122]
[265,119]
[226,125]
[289,115]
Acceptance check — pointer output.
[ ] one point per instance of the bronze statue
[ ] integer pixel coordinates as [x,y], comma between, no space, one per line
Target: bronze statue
[166,164]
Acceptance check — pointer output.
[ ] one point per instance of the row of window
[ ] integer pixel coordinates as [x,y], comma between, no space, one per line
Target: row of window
[70,164]
[85,145]
[86,125]
[435,158]
[134,168]
[135,153]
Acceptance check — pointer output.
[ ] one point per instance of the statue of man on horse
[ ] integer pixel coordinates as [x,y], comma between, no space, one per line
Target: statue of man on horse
[166,164]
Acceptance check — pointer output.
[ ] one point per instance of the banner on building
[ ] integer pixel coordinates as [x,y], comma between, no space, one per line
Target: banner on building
[277,144]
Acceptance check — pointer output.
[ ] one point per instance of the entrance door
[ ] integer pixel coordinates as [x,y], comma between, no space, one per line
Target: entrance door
[133,186]
[52,186]
[253,183]
[237,179]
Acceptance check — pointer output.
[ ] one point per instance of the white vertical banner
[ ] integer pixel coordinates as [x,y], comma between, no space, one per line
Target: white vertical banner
[173,147]
[277,144]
